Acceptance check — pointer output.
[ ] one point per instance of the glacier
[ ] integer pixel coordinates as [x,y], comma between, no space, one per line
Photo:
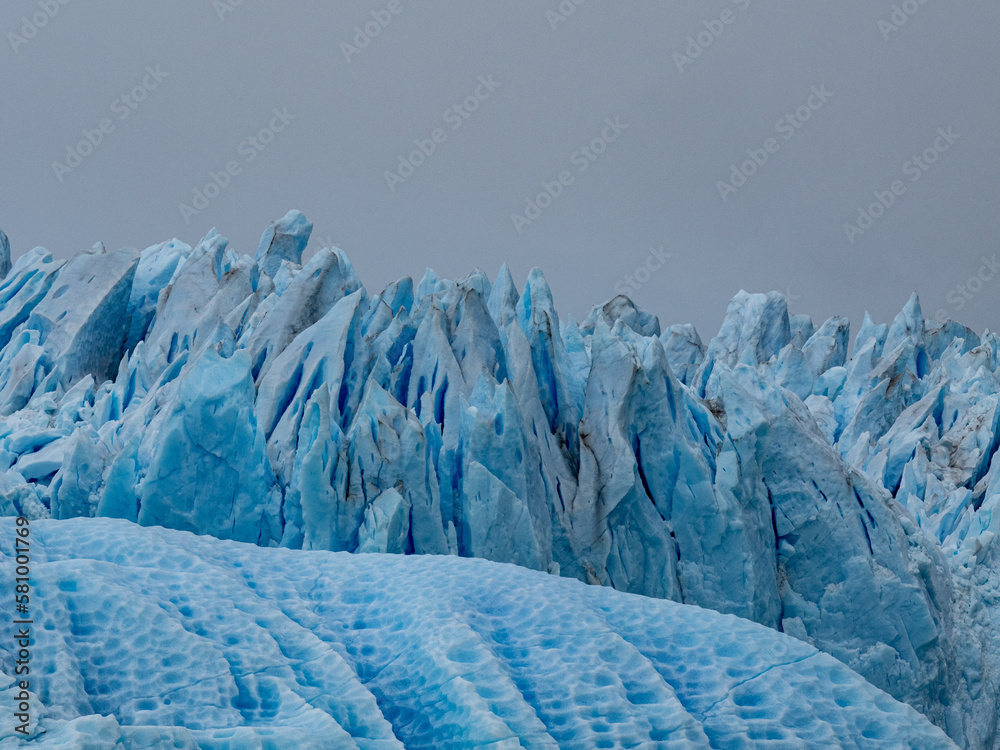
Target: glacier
[150,637]
[838,490]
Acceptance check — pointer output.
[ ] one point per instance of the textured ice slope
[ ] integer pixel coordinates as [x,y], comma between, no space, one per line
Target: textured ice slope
[848,495]
[149,637]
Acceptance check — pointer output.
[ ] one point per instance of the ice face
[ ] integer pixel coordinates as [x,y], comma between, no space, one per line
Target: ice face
[82,321]
[4,255]
[284,240]
[847,500]
[149,637]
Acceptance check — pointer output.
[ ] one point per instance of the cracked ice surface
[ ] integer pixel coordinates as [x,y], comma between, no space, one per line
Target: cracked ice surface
[149,637]
[847,494]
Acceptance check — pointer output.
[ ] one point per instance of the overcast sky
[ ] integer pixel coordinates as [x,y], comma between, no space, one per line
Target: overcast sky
[820,108]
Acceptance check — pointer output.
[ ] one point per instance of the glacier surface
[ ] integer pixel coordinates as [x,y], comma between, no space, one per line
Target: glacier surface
[149,637]
[838,490]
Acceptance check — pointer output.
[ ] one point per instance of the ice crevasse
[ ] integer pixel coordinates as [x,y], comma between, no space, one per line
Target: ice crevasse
[839,491]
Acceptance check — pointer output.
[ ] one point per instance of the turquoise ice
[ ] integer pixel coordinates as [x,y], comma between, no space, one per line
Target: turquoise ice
[149,637]
[843,490]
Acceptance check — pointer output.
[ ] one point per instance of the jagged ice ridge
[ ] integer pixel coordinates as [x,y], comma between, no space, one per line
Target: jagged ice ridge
[841,494]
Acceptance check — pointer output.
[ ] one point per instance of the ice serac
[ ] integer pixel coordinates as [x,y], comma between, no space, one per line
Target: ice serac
[208,469]
[389,448]
[151,637]
[848,495]
[824,515]
[23,288]
[191,311]
[4,255]
[496,491]
[756,328]
[83,319]
[284,240]
[684,350]
[152,274]
[619,531]
[561,390]
[268,328]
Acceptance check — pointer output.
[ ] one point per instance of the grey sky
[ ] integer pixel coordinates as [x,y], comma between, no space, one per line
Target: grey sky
[548,92]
